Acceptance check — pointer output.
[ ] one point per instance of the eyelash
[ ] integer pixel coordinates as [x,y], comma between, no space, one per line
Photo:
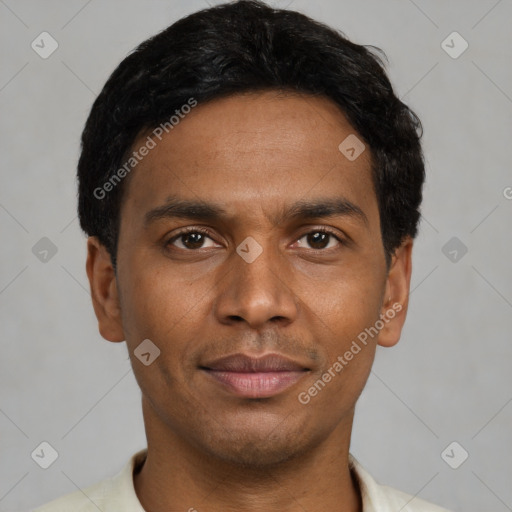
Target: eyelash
[205,232]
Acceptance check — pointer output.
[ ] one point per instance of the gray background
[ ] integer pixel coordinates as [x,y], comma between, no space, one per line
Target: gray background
[447,380]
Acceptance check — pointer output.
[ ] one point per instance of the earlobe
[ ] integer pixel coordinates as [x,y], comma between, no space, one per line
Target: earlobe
[396,297]
[104,293]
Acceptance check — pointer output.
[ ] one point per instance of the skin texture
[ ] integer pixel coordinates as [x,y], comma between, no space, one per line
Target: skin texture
[197,299]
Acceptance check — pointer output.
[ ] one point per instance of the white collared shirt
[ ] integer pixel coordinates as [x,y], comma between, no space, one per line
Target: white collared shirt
[117,494]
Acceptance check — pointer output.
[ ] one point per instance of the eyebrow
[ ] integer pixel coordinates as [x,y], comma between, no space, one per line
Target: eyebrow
[305,209]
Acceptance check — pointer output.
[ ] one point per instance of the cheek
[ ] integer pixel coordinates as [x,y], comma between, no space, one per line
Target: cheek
[162,303]
[348,300]
[343,319]
[153,308]
[342,313]
[152,303]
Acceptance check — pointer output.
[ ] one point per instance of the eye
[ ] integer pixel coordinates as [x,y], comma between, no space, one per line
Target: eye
[190,239]
[195,238]
[320,239]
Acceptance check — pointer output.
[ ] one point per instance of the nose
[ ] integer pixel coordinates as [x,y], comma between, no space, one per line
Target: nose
[257,292]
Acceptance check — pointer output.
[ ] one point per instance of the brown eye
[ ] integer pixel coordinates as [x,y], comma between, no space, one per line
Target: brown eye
[190,240]
[320,239]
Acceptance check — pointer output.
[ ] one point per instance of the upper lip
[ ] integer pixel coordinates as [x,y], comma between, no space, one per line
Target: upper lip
[247,364]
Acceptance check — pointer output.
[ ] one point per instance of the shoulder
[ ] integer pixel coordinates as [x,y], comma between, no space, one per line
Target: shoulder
[381,498]
[89,499]
[110,495]
[407,503]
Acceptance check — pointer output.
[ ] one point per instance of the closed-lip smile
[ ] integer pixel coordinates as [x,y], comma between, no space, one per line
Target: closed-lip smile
[255,377]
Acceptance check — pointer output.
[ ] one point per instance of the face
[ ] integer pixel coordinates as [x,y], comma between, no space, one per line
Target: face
[246,231]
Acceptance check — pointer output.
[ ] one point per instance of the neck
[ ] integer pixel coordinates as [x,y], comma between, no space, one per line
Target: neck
[178,476]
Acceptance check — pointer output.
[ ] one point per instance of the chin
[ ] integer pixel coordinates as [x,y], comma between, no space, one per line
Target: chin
[256,455]
[258,448]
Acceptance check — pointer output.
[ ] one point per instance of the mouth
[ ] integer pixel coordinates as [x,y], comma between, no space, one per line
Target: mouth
[250,377]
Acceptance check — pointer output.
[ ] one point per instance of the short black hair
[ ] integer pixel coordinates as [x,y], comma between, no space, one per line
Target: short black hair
[240,47]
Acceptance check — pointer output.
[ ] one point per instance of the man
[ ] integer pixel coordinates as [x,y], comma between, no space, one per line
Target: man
[250,185]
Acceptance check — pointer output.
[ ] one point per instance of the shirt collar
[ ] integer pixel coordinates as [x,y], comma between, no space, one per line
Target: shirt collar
[373,497]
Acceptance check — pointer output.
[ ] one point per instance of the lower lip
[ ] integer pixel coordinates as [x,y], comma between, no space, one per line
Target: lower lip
[256,385]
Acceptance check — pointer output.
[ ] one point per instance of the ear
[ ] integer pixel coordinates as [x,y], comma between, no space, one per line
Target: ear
[396,296]
[104,294]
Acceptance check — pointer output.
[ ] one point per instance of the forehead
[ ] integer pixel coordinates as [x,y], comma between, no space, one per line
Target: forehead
[252,153]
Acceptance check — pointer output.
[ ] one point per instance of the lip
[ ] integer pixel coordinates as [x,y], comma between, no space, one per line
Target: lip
[255,377]
[245,363]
